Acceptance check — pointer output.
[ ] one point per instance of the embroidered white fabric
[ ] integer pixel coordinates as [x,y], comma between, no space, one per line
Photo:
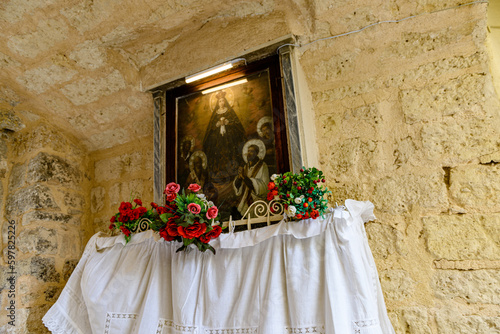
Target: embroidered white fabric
[313,276]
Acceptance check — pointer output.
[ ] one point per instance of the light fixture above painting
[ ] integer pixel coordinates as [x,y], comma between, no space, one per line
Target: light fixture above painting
[214,70]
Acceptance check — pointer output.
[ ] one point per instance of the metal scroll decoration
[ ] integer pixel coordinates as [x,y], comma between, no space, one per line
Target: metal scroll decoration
[259,212]
[143,225]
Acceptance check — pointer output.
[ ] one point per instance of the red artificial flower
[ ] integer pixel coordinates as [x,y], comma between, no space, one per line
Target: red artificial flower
[194,187]
[161,210]
[298,216]
[113,219]
[125,230]
[138,202]
[212,212]
[172,187]
[111,226]
[194,208]
[306,215]
[214,233]
[172,228]
[192,231]
[314,214]
[271,185]
[142,210]
[164,234]
[154,205]
[124,206]
[270,196]
[171,197]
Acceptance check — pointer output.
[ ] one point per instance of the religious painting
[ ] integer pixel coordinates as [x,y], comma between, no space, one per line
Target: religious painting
[226,141]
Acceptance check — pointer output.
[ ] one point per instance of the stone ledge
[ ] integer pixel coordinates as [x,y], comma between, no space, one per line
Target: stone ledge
[466,265]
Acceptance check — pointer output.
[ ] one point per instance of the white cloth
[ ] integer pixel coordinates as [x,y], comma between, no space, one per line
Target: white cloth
[313,276]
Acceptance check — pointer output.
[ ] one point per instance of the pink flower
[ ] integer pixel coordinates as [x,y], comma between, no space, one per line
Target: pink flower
[194,208]
[194,187]
[171,197]
[212,212]
[172,187]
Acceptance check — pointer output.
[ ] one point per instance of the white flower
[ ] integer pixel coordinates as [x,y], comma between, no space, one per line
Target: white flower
[298,200]
[210,204]
[202,196]
[291,211]
[274,176]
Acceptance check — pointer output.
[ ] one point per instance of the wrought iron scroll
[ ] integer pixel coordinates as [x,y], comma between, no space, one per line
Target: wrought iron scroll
[259,212]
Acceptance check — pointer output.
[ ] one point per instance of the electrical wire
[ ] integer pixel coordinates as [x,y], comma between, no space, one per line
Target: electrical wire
[380,22]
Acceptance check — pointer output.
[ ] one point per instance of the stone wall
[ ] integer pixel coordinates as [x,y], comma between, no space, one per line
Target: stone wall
[43,205]
[121,173]
[408,118]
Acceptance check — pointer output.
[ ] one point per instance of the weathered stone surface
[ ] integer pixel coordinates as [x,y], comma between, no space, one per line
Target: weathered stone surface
[400,192]
[14,10]
[33,197]
[44,269]
[41,79]
[463,237]
[42,217]
[455,322]
[476,187]
[89,55]
[397,284]
[413,320]
[91,90]
[70,244]
[43,137]
[34,323]
[383,239]
[116,167]
[125,191]
[53,170]
[74,202]
[52,293]
[478,286]
[39,240]
[9,121]
[69,266]
[17,177]
[7,95]
[97,199]
[47,34]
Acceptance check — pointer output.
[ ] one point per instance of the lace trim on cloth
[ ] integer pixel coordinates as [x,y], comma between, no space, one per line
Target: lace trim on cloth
[172,328]
[365,326]
[252,330]
[320,329]
[58,323]
[111,316]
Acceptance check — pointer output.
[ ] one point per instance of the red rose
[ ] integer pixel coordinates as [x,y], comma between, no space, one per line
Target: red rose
[111,226]
[212,212]
[154,205]
[314,214]
[172,228]
[164,234]
[138,202]
[194,208]
[192,231]
[125,230]
[171,197]
[298,216]
[270,196]
[271,185]
[142,210]
[161,210]
[194,187]
[306,215]
[214,233]
[113,219]
[124,206]
[172,187]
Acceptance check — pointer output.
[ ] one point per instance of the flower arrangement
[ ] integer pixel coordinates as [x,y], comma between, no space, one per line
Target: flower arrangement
[187,217]
[301,193]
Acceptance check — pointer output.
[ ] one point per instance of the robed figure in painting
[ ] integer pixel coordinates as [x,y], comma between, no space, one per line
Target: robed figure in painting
[223,140]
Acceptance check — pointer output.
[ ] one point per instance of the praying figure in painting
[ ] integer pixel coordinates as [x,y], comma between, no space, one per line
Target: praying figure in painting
[223,138]
[251,183]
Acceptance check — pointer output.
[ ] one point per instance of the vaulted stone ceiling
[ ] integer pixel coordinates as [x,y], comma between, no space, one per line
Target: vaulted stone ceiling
[84,64]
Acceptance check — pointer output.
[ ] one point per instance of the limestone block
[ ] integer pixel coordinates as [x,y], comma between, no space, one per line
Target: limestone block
[69,266]
[90,90]
[39,240]
[115,167]
[382,239]
[3,158]
[34,323]
[33,197]
[41,79]
[29,290]
[43,137]
[89,55]
[477,286]
[48,33]
[74,202]
[14,10]
[97,199]
[462,95]
[52,293]
[6,61]
[398,193]
[42,217]
[70,244]
[86,15]
[109,138]
[112,113]
[453,321]
[476,187]
[413,320]
[349,157]
[44,269]
[53,170]
[10,121]
[126,191]
[397,284]
[17,177]
[463,237]
[8,95]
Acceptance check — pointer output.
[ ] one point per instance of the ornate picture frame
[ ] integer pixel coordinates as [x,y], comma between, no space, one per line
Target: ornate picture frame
[229,140]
